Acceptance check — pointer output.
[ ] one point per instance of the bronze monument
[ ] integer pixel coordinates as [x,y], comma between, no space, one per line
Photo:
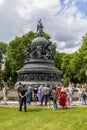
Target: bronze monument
[39,65]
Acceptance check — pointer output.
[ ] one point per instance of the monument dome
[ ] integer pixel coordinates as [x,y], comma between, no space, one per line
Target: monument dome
[39,41]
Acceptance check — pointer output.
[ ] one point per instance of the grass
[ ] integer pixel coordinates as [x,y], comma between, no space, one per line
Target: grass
[43,119]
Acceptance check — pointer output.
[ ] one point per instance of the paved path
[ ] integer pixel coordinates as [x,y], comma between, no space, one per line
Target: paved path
[11,103]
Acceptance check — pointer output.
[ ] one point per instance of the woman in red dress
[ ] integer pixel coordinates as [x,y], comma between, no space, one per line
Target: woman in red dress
[63,98]
[58,87]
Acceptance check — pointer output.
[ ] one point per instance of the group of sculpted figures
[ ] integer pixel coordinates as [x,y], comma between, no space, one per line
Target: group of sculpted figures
[40,51]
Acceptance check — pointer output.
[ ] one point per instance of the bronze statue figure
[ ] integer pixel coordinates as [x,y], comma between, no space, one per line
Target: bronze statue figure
[40,28]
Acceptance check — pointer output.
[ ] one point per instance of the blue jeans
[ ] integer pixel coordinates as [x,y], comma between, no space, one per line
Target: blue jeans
[83,100]
[70,98]
[55,104]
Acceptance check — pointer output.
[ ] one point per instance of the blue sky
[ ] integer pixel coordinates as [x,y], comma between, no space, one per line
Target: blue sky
[82,6]
[64,20]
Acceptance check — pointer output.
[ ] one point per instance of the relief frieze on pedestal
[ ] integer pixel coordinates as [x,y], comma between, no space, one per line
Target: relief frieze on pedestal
[38,77]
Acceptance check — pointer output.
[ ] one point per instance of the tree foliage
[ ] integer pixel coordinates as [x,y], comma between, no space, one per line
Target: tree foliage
[58,59]
[3,47]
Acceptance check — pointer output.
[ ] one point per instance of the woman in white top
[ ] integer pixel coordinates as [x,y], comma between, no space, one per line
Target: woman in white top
[5,92]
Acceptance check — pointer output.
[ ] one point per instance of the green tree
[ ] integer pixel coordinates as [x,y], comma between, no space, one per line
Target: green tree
[3,47]
[15,58]
[65,66]
[58,59]
[82,56]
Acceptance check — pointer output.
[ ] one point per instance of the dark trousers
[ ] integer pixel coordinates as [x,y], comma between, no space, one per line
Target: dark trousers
[22,101]
[29,98]
[45,99]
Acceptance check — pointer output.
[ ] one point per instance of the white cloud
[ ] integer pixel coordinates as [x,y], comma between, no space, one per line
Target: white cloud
[62,45]
[64,23]
[69,50]
[27,7]
[66,2]
[1,2]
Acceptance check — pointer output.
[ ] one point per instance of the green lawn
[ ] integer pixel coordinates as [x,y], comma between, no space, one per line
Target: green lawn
[43,119]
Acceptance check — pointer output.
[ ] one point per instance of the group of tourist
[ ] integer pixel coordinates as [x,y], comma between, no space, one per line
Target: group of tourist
[47,95]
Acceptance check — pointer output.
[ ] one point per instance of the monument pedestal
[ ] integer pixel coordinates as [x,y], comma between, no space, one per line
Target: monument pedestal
[39,72]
